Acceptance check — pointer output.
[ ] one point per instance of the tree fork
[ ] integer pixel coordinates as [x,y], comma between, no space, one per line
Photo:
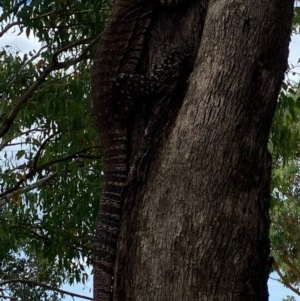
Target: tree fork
[196,227]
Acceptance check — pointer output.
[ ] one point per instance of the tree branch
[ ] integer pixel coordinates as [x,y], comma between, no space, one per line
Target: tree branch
[284,279]
[39,152]
[16,190]
[8,142]
[53,65]
[46,286]
[8,27]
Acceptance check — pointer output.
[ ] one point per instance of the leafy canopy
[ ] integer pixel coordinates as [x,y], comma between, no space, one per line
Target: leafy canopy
[50,163]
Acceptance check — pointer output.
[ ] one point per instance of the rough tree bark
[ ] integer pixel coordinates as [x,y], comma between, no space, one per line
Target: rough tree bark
[195,222]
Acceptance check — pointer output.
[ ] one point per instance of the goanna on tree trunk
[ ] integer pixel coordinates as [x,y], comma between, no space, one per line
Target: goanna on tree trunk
[195,221]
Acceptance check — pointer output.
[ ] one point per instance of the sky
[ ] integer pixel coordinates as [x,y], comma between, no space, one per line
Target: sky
[21,43]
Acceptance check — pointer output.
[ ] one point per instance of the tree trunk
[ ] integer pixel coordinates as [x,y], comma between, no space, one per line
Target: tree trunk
[195,223]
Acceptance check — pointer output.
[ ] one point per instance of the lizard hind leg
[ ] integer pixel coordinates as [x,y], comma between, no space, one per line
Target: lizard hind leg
[164,77]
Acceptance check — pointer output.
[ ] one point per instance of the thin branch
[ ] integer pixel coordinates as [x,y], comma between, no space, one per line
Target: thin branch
[7,143]
[77,155]
[46,286]
[19,167]
[67,26]
[285,280]
[8,27]
[292,266]
[70,46]
[53,65]
[67,64]
[36,228]
[87,11]
[16,190]
[32,58]
[39,152]
[7,123]
[73,244]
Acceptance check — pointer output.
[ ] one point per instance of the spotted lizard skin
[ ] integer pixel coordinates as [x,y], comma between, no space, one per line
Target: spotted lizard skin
[115,87]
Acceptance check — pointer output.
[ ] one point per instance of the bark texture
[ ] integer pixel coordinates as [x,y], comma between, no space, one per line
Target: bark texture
[195,225]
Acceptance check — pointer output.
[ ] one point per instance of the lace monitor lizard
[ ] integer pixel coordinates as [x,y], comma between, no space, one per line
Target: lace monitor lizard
[115,88]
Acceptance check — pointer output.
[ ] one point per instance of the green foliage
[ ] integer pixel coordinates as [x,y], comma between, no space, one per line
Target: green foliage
[18,267]
[285,213]
[50,163]
[289,298]
[285,229]
[296,21]
[285,135]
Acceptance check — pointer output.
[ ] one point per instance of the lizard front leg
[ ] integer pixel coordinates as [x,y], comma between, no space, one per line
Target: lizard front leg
[163,79]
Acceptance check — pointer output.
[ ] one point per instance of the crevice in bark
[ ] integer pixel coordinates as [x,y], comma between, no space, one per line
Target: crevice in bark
[195,223]
[179,30]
